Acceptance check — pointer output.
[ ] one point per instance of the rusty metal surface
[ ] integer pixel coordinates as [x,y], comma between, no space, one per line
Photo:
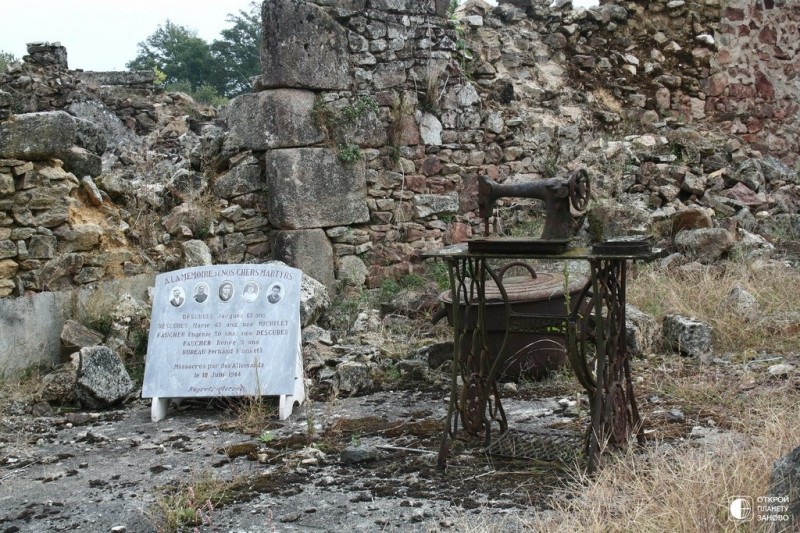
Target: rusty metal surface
[626,245]
[520,245]
[558,194]
[545,444]
[595,347]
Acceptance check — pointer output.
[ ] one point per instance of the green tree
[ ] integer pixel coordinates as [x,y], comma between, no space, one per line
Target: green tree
[238,53]
[181,55]
[208,72]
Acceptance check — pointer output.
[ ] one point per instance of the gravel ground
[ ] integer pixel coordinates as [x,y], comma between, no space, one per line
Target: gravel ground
[364,464]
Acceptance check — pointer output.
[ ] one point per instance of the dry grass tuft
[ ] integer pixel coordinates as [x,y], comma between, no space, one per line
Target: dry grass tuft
[189,504]
[253,413]
[607,100]
[703,294]
[738,421]
[679,486]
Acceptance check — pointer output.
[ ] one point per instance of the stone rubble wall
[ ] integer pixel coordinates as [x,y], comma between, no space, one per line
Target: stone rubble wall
[525,97]
[754,90]
[43,82]
[733,64]
[361,144]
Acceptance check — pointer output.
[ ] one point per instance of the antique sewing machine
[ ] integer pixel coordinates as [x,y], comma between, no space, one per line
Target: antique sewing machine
[558,194]
[505,326]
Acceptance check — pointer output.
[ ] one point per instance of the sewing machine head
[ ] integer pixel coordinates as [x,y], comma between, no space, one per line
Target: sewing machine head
[559,194]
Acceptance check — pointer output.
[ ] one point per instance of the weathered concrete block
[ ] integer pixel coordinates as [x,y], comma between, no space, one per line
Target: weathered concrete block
[8,268]
[314,300]
[352,376]
[79,237]
[89,136]
[59,386]
[303,47]
[609,220]
[42,247]
[352,270]
[687,335]
[312,188]
[91,190]
[35,136]
[432,204]
[310,251]
[6,184]
[109,126]
[430,130]
[8,249]
[281,118]
[102,378]
[31,325]
[82,162]
[641,331]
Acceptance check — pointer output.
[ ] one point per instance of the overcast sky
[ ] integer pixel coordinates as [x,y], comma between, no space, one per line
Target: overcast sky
[103,34]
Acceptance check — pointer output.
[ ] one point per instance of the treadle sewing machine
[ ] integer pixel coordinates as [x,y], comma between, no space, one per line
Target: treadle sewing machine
[505,328]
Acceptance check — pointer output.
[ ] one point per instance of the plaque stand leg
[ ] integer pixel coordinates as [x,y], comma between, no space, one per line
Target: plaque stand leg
[158,409]
[287,401]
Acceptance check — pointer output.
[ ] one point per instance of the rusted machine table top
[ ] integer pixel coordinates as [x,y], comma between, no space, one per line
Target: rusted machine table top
[461,251]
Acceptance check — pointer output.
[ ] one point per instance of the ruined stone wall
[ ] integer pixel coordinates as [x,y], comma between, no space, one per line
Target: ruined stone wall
[349,161]
[733,64]
[754,90]
[44,82]
[362,141]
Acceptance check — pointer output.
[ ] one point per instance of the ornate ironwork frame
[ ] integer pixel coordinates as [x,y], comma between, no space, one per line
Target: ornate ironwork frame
[594,330]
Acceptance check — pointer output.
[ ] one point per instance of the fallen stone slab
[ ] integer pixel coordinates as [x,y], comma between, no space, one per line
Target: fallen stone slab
[102,378]
[76,335]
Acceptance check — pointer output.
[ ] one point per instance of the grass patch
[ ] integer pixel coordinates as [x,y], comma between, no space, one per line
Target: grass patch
[683,485]
[188,504]
[253,413]
[702,294]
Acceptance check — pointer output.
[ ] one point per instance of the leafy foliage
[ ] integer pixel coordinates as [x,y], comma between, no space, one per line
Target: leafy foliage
[208,72]
[239,51]
[349,153]
[179,53]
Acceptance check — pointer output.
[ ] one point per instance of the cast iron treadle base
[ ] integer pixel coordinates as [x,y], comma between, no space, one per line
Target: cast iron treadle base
[553,445]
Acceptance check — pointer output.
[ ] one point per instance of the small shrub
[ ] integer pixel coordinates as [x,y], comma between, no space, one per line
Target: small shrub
[389,289]
[349,153]
[359,108]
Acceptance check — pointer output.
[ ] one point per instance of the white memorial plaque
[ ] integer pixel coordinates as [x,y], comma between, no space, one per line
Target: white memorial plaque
[224,330]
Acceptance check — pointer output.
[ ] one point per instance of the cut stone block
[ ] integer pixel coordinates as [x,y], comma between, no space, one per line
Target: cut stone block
[312,188]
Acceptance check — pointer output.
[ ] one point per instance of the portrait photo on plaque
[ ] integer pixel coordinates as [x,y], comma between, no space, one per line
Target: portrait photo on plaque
[226,291]
[250,291]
